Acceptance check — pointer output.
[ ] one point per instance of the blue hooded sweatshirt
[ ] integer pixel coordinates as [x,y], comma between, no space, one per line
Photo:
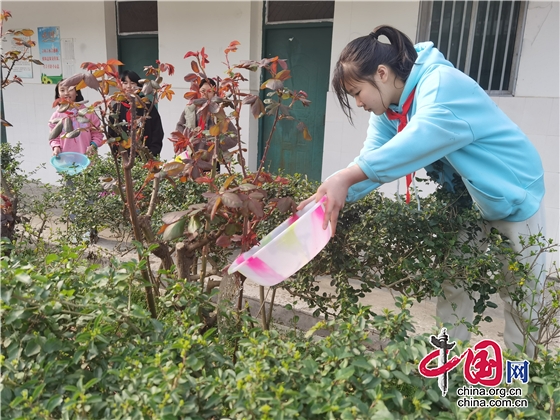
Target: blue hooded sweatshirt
[454,128]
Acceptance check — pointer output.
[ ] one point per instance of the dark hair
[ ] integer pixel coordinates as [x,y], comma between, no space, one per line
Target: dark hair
[132,75]
[360,59]
[79,96]
[205,81]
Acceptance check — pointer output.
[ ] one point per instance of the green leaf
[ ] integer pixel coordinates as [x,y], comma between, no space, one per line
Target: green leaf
[94,399]
[51,257]
[33,347]
[362,363]
[381,412]
[51,345]
[433,395]
[38,391]
[71,388]
[344,374]
[91,383]
[194,362]
[194,224]
[174,231]
[13,315]
[77,356]
[23,278]
[399,375]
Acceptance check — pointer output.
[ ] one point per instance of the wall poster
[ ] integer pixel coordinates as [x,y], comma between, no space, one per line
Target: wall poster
[49,52]
[23,68]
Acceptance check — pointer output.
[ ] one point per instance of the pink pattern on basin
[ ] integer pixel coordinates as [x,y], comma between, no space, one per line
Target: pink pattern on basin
[287,248]
[293,218]
[318,215]
[262,270]
[240,258]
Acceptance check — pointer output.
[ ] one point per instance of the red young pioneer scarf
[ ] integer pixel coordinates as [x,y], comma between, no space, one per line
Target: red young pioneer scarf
[128,112]
[403,120]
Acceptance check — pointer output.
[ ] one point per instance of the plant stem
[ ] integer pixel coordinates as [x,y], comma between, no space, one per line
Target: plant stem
[128,163]
[271,307]
[263,308]
[272,130]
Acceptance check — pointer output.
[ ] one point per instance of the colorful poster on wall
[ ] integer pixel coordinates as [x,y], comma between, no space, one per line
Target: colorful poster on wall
[49,51]
[22,68]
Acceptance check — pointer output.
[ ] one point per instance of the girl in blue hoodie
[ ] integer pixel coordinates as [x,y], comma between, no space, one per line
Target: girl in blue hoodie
[427,114]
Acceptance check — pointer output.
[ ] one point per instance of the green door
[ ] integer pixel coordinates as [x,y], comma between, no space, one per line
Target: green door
[138,51]
[307,50]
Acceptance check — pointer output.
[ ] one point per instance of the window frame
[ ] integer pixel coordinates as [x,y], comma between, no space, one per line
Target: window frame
[266,21]
[424,29]
[119,33]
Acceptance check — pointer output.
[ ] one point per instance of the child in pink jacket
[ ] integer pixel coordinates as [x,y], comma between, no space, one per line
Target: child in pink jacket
[87,141]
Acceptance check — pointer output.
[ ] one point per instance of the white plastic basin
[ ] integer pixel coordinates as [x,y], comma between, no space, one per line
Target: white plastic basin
[287,248]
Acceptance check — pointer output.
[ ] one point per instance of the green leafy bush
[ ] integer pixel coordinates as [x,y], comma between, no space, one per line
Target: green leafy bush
[79,342]
[380,241]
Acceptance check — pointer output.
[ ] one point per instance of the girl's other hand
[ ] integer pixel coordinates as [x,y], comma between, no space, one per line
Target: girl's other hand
[336,189]
[56,151]
[306,202]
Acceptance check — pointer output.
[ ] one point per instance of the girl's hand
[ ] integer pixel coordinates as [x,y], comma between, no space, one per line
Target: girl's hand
[56,151]
[91,151]
[336,189]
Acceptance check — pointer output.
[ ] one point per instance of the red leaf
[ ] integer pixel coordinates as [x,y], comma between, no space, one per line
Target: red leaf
[174,216]
[191,54]
[283,75]
[284,204]
[152,164]
[249,99]
[256,207]
[203,180]
[231,200]
[191,77]
[257,195]
[257,108]
[224,241]
[232,47]
[280,180]
[190,95]
[194,67]
[114,62]
[204,57]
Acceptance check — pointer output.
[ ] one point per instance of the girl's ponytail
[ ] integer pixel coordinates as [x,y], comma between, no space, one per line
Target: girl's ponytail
[406,54]
[360,59]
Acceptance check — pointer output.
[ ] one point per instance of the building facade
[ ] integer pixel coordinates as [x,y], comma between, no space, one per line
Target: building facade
[511,48]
